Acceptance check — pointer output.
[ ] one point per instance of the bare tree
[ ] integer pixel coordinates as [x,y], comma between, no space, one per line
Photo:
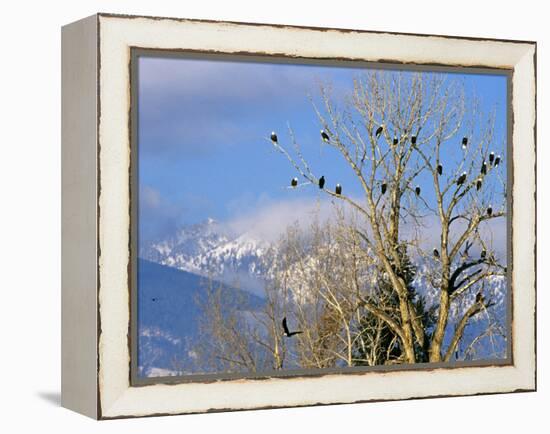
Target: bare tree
[391,132]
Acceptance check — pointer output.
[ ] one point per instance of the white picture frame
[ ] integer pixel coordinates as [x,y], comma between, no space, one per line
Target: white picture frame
[96,163]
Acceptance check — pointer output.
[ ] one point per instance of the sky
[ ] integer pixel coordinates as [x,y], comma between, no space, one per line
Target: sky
[203,140]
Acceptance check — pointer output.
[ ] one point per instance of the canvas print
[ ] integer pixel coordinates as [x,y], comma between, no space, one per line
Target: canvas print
[299,217]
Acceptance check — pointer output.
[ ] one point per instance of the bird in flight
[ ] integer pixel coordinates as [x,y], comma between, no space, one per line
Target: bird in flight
[288,333]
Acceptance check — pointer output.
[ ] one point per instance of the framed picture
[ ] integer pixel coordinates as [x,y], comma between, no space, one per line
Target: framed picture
[261,216]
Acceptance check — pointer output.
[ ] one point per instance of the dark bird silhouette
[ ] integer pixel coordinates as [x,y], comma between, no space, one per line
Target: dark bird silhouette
[324,136]
[413,140]
[440,169]
[490,211]
[483,254]
[461,179]
[154,299]
[484,168]
[478,184]
[338,189]
[383,188]
[491,158]
[294,182]
[287,332]
[479,297]
[379,131]
[436,253]
[273,137]
[497,160]
[322,182]
[395,141]
[464,142]
[417,190]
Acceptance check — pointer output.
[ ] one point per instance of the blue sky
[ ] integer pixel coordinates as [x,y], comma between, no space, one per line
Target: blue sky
[203,126]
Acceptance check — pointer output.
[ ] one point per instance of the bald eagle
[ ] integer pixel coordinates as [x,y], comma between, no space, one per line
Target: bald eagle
[478,184]
[484,168]
[395,141]
[497,160]
[383,188]
[464,142]
[338,189]
[483,254]
[490,211]
[491,158]
[294,182]
[417,190]
[436,253]
[322,182]
[461,179]
[273,137]
[324,136]
[440,169]
[379,131]
[413,140]
[287,332]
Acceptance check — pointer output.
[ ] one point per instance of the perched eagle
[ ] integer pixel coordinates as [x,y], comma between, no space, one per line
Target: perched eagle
[478,184]
[490,211]
[491,158]
[483,254]
[395,140]
[464,142]
[461,179]
[413,140]
[383,188]
[273,137]
[497,160]
[324,136]
[484,168]
[417,190]
[322,182]
[379,131]
[440,169]
[436,253]
[294,182]
[338,189]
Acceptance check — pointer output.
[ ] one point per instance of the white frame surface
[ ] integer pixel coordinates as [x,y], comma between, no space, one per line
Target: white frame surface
[114,396]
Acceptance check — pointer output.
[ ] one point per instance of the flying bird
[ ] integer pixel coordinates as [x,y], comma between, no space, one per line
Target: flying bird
[483,254]
[383,188]
[497,160]
[338,189]
[287,332]
[273,137]
[461,179]
[491,158]
[417,190]
[436,253]
[379,131]
[322,182]
[440,169]
[395,140]
[484,168]
[464,142]
[490,211]
[294,182]
[478,184]
[324,136]
[413,140]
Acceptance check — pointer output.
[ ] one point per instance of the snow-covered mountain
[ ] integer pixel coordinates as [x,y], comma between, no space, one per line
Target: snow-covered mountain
[209,249]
